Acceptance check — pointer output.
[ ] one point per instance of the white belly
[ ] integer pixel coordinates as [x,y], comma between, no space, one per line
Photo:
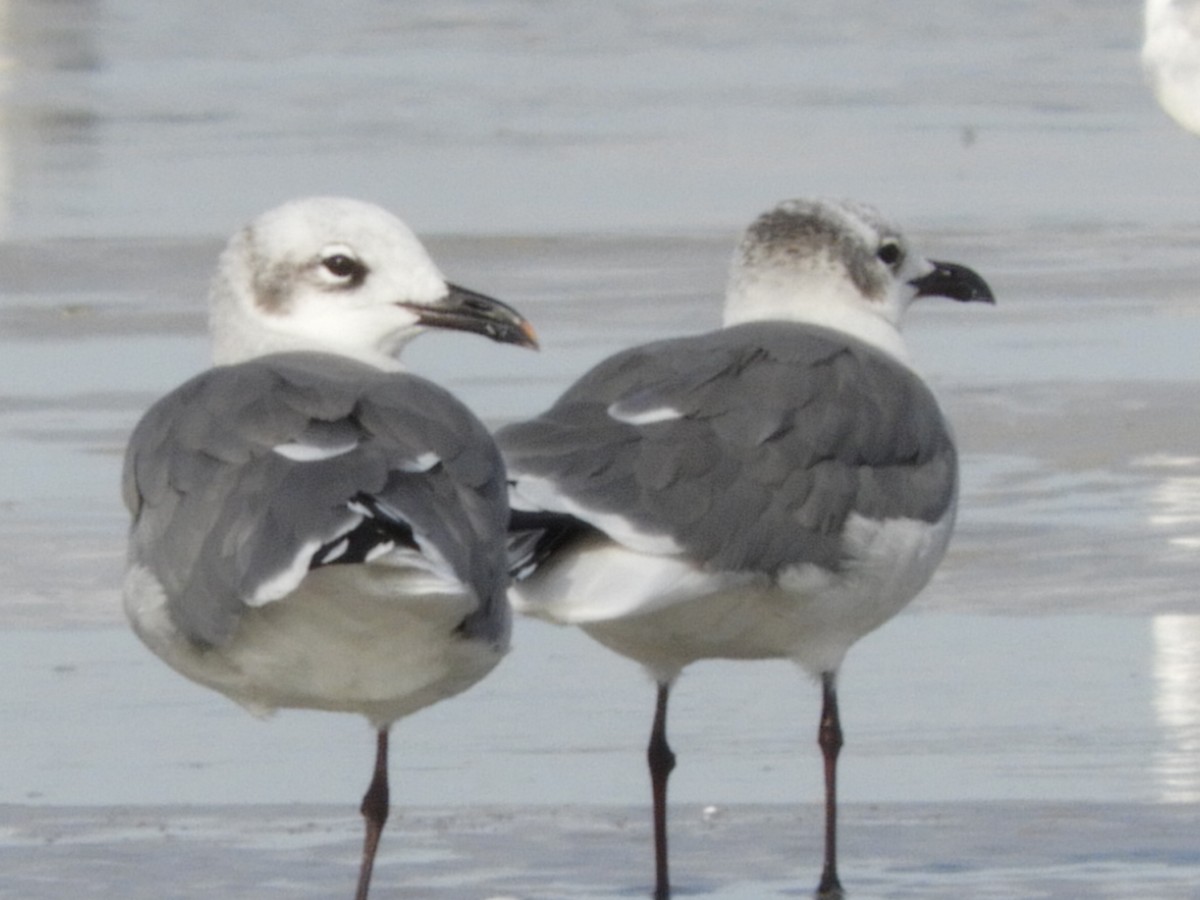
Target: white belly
[666,612]
[351,638]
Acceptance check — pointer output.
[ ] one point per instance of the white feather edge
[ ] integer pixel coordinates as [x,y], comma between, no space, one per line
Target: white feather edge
[532,493]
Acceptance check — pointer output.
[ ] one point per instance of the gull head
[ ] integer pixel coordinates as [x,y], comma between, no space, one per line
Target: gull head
[335,275]
[841,265]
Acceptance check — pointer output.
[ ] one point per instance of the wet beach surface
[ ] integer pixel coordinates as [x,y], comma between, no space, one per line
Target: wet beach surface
[1030,728]
[741,853]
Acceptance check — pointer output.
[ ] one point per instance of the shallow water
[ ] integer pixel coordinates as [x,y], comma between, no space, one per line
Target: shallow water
[1005,851]
[943,708]
[519,116]
[1031,729]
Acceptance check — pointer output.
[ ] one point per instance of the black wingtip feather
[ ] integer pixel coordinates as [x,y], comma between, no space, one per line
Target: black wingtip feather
[378,531]
[536,536]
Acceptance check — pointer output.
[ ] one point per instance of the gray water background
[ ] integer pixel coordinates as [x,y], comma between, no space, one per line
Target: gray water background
[592,164]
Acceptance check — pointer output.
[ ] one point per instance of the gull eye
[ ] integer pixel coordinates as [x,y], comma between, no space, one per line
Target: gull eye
[344,268]
[890,254]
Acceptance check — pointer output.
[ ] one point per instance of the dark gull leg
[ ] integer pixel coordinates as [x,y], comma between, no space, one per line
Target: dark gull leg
[662,761]
[375,806]
[829,737]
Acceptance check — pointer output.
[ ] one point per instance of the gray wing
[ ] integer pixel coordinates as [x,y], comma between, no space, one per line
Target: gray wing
[748,447]
[247,476]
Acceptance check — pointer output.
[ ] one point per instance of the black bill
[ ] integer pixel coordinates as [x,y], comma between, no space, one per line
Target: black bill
[955,282]
[465,310]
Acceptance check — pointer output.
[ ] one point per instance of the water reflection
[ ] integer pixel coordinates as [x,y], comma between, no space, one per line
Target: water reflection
[1177,706]
[1176,499]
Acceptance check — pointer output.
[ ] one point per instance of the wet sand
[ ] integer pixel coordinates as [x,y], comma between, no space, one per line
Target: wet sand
[1005,851]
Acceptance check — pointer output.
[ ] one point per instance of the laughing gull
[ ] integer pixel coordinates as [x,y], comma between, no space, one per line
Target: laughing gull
[313,527]
[774,489]
[1171,58]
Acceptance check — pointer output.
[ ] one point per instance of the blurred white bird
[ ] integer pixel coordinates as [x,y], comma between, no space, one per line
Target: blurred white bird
[1171,58]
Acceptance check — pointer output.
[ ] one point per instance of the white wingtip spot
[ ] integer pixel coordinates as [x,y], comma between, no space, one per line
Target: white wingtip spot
[622,413]
[422,463]
[336,552]
[379,550]
[301,452]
